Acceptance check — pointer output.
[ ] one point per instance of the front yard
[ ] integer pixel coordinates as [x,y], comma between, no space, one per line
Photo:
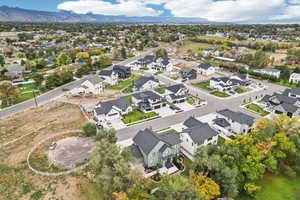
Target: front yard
[203,85]
[220,94]
[137,115]
[126,83]
[242,90]
[255,108]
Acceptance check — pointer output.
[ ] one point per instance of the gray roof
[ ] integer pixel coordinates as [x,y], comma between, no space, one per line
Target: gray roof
[204,66]
[175,88]
[289,108]
[295,91]
[221,122]
[146,140]
[136,151]
[94,79]
[142,80]
[192,122]
[105,107]
[146,95]
[284,98]
[15,68]
[106,72]
[201,133]
[237,116]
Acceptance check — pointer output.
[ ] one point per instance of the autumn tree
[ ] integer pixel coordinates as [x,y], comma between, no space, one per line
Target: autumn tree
[8,92]
[63,59]
[207,187]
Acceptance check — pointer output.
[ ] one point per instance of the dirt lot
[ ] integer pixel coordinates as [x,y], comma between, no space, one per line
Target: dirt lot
[16,180]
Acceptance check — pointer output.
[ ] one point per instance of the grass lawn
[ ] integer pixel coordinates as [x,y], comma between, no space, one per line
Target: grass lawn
[277,188]
[127,90]
[125,83]
[190,101]
[284,83]
[28,87]
[160,90]
[220,94]
[196,46]
[257,109]
[137,115]
[203,85]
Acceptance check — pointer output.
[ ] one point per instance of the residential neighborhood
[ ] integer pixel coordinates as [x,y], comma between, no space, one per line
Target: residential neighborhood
[164,108]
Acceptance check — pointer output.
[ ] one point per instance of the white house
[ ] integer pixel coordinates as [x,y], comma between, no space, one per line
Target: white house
[104,112]
[92,85]
[269,72]
[197,134]
[236,122]
[295,78]
[176,93]
[206,69]
[110,77]
[162,64]
[145,83]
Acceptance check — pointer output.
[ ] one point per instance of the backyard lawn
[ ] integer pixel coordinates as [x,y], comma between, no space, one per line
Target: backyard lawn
[28,87]
[220,94]
[137,115]
[125,83]
[257,109]
[277,188]
[203,85]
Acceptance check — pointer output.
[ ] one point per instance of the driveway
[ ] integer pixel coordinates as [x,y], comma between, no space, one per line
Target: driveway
[185,106]
[165,111]
[118,124]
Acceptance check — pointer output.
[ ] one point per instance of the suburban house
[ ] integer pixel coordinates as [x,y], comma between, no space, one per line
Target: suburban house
[223,84]
[206,69]
[92,85]
[145,83]
[16,72]
[295,78]
[110,110]
[144,62]
[268,71]
[156,149]
[176,93]
[162,64]
[234,121]
[122,71]
[195,135]
[110,77]
[148,101]
[188,74]
[287,102]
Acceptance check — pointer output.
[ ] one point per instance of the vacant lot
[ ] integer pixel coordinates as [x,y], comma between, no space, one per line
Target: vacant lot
[20,133]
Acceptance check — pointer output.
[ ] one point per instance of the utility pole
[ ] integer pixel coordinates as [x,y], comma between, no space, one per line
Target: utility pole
[35,101]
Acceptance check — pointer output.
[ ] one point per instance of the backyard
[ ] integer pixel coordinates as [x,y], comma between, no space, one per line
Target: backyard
[126,83]
[137,115]
[277,188]
[257,109]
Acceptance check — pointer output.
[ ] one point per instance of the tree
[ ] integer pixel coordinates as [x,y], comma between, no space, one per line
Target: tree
[30,64]
[207,187]
[8,92]
[89,129]
[38,78]
[108,134]
[176,187]
[2,60]
[104,62]
[120,196]
[161,53]
[63,59]
[251,189]
[82,56]
[123,53]
[260,60]
[21,55]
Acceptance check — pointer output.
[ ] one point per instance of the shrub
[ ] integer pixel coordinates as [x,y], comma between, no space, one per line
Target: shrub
[89,129]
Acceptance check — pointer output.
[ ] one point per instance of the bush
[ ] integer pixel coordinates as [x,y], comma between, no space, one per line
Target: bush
[89,129]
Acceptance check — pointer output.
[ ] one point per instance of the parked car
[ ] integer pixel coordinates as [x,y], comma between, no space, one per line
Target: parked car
[52,146]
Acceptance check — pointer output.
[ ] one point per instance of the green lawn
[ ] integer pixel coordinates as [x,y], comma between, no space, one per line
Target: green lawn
[277,188]
[203,85]
[137,115]
[28,87]
[220,94]
[125,83]
[257,109]
[190,101]
[240,90]
[127,90]
[196,46]
[160,90]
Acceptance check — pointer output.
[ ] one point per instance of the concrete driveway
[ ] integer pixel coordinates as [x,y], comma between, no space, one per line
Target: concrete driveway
[165,111]
[118,124]
[185,106]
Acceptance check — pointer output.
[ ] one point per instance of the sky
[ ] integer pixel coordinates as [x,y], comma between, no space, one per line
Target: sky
[211,10]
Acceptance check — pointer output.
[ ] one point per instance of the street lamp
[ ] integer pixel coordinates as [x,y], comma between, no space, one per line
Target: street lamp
[34,96]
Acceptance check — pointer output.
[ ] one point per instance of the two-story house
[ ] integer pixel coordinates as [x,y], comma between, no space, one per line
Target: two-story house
[145,83]
[91,85]
[197,134]
[110,77]
[122,71]
[176,93]
[162,64]
[206,69]
[294,78]
[188,74]
[110,110]
[239,123]
[156,149]
[148,101]
[268,71]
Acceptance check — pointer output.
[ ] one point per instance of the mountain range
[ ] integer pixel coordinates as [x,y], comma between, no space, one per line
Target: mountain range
[15,14]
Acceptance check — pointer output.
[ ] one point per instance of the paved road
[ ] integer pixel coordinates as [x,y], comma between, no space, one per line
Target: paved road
[213,104]
[57,92]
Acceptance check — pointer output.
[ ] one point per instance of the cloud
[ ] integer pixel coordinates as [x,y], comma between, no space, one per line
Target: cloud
[212,10]
[122,7]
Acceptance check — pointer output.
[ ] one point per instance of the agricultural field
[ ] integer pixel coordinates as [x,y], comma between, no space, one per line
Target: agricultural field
[18,134]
